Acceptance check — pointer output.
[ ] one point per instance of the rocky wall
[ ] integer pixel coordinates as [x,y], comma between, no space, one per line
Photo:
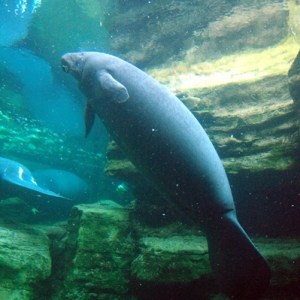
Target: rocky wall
[168,31]
[232,75]
[25,260]
[99,250]
[105,252]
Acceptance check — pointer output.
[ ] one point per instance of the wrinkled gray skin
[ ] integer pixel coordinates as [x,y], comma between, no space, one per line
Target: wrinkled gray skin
[167,144]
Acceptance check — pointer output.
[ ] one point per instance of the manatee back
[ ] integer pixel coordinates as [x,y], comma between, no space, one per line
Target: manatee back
[63,183]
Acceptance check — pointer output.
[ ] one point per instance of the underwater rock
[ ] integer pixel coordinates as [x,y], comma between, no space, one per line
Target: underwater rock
[17,210]
[163,27]
[283,256]
[109,254]
[109,203]
[208,29]
[122,169]
[253,125]
[171,259]
[245,27]
[99,251]
[24,260]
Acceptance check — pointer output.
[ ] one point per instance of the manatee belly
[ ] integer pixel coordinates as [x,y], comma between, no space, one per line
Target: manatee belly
[169,146]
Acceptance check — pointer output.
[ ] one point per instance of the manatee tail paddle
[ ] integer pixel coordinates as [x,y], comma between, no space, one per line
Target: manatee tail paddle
[240,270]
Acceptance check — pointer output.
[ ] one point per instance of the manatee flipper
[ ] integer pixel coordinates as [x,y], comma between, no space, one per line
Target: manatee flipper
[112,88]
[240,270]
[89,117]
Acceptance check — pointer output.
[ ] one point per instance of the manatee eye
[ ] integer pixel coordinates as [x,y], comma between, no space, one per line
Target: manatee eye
[65,68]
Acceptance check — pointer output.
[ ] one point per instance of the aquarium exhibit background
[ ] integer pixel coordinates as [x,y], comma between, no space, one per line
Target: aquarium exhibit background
[228,62]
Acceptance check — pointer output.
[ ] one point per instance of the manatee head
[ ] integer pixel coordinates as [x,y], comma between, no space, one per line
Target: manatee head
[73,63]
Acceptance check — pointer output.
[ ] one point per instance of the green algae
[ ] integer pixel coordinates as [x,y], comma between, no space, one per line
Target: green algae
[248,66]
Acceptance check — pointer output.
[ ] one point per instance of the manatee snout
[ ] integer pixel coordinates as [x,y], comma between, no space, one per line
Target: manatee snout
[65,63]
[72,63]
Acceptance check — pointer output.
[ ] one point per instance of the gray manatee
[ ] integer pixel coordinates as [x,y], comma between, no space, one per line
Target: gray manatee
[63,183]
[17,181]
[170,148]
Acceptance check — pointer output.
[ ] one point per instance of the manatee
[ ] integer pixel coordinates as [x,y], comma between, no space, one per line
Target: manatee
[17,181]
[63,183]
[170,148]
[294,79]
